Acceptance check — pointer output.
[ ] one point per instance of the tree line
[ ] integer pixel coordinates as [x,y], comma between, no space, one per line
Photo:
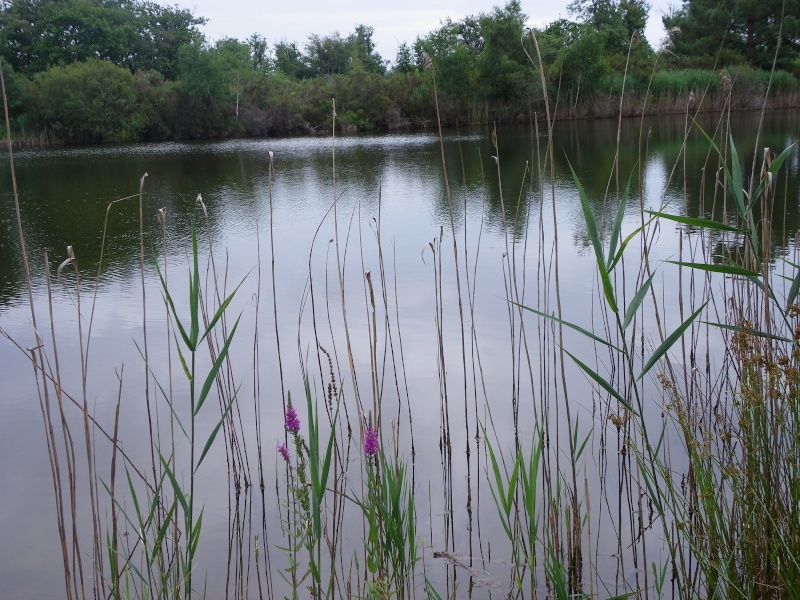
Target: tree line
[82,71]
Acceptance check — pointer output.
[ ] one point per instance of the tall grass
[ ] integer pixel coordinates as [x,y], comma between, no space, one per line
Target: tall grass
[625,466]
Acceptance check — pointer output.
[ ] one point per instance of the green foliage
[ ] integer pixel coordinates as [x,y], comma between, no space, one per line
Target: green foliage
[290,61]
[388,509]
[192,334]
[92,101]
[38,34]
[404,61]
[503,68]
[738,509]
[735,32]
[333,54]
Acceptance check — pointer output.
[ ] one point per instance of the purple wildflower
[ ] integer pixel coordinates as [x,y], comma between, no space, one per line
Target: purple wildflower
[291,420]
[284,452]
[370,441]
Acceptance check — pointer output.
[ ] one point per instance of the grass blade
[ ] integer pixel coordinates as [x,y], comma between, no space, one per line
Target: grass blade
[633,307]
[212,374]
[606,385]
[726,269]
[668,343]
[696,222]
[577,328]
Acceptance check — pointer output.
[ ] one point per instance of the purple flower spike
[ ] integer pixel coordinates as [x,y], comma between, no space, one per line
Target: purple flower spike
[291,420]
[284,452]
[370,442]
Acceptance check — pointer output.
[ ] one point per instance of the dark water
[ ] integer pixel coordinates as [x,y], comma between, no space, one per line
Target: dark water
[390,190]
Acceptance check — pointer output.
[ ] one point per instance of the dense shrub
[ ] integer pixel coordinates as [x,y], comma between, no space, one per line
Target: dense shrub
[92,101]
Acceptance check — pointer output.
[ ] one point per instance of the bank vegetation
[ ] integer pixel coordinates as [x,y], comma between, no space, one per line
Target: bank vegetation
[130,70]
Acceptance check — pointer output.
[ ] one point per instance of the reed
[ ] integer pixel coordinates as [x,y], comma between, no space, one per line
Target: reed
[622,441]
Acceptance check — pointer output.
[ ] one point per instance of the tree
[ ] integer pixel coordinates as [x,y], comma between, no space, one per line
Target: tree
[290,61]
[737,31]
[38,34]
[92,101]
[504,69]
[454,50]
[616,21]
[202,74]
[328,55]
[259,53]
[362,51]
[404,61]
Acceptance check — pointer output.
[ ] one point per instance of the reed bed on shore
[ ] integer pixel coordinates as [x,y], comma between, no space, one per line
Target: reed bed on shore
[626,459]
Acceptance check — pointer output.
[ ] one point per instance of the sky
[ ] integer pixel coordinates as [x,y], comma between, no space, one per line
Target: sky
[394,22]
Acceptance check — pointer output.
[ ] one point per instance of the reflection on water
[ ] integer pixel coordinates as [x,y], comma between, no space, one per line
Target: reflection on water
[392,218]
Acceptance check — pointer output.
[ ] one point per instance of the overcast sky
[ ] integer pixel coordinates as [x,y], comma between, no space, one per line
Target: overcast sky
[394,22]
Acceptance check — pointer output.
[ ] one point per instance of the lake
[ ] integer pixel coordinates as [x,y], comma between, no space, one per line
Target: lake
[356,248]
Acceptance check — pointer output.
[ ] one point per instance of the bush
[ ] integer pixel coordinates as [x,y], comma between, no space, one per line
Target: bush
[92,101]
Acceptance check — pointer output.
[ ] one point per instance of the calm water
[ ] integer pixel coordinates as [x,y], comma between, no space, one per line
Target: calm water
[391,211]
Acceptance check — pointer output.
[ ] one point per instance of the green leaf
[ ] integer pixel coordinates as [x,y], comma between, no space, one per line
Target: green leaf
[194,538]
[594,237]
[726,269]
[215,431]
[175,486]
[162,532]
[581,330]
[220,312]
[633,307]
[696,222]
[606,385]
[624,245]
[212,374]
[668,343]
[168,298]
[186,370]
[617,228]
[790,298]
[326,465]
[194,293]
[755,332]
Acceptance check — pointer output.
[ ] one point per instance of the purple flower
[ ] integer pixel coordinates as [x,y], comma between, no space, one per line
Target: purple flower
[370,441]
[291,420]
[284,452]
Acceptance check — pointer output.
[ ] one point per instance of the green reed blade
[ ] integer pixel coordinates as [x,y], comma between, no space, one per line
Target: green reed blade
[161,534]
[194,294]
[670,341]
[696,222]
[638,298]
[175,486]
[713,268]
[790,298]
[577,328]
[621,251]
[606,385]
[220,312]
[616,230]
[498,489]
[134,497]
[194,537]
[736,180]
[212,374]
[166,295]
[755,332]
[215,431]
[594,237]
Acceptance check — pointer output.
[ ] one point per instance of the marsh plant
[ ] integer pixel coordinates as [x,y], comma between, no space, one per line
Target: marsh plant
[685,471]
[306,525]
[390,547]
